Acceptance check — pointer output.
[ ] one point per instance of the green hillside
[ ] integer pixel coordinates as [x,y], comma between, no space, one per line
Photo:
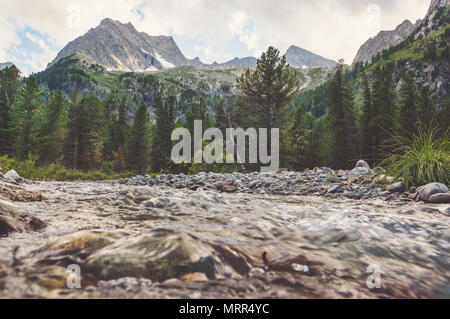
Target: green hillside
[187,83]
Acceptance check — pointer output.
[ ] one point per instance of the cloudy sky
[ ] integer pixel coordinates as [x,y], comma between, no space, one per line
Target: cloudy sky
[32,32]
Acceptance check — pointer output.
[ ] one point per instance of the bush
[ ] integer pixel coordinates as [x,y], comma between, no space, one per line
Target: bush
[28,169]
[425,159]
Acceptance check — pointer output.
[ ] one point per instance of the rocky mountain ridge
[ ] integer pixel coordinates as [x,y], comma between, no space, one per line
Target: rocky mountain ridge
[301,58]
[120,47]
[384,40]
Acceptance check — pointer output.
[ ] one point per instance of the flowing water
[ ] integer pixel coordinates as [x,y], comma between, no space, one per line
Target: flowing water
[158,242]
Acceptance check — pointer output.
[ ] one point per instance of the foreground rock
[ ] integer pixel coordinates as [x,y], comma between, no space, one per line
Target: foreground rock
[17,193]
[13,219]
[12,174]
[433,193]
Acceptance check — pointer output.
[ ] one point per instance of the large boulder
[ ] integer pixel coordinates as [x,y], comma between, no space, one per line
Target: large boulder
[425,193]
[13,219]
[12,174]
[362,163]
[361,169]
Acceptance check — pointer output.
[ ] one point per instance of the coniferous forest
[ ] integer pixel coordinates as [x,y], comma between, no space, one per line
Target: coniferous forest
[60,136]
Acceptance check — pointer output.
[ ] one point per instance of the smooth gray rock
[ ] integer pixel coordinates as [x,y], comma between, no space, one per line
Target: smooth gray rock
[397,187]
[362,163]
[360,171]
[440,198]
[425,192]
[12,174]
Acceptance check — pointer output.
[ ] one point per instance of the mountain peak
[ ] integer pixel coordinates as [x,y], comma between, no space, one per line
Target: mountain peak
[384,40]
[301,58]
[119,46]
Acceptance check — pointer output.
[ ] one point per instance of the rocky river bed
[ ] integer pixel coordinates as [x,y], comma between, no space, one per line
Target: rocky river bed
[162,242]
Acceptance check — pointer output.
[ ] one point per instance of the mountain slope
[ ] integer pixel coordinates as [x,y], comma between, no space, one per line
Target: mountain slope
[436,18]
[249,62]
[301,58]
[118,46]
[5,65]
[384,40]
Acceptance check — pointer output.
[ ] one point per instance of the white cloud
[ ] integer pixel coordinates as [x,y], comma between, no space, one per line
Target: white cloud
[8,36]
[331,28]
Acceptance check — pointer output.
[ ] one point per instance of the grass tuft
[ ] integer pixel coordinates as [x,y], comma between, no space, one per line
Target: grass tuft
[424,159]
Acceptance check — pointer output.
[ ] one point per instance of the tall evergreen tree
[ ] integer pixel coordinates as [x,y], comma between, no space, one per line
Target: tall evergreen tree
[367,125]
[51,133]
[74,127]
[122,127]
[92,135]
[138,149]
[220,117]
[84,137]
[426,106]
[9,82]
[24,116]
[198,111]
[161,141]
[110,118]
[408,107]
[384,108]
[342,117]
[296,139]
[267,91]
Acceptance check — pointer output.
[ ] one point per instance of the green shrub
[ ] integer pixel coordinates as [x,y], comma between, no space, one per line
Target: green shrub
[425,159]
[28,169]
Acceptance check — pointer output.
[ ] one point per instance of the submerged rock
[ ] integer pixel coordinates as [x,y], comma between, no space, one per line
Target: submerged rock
[13,219]
[158,256]
[18,194]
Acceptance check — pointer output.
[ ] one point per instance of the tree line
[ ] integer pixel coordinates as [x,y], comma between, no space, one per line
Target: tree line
[88,133]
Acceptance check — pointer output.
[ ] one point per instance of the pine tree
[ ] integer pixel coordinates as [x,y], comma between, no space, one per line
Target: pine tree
[85,127]
[267,91]
[9,82]
[220,117]
[384,108]
[24,116]
[367,125]
[161,141]
[426,106]
[74,127]
[408,107]
[296,139]
[110,118]
[51,133]
[138,150]
[119,161]
[91,139]
[122,126]
[198,111]
[342,118]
